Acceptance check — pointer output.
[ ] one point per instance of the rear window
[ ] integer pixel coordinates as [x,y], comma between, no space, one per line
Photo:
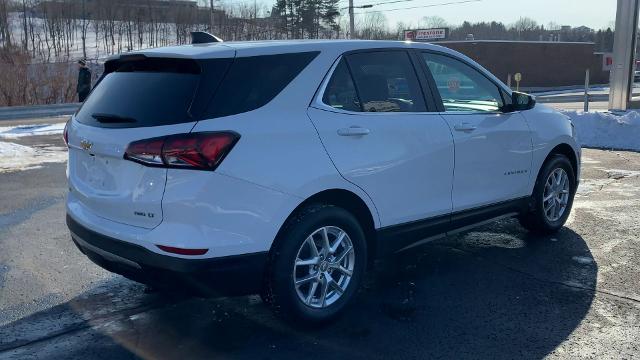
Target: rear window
[140,91]
[149,92]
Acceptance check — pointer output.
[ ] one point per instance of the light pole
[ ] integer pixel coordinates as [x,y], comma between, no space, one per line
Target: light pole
[624,49]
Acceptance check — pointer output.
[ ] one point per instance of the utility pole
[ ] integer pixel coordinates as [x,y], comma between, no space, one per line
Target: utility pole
[351,24]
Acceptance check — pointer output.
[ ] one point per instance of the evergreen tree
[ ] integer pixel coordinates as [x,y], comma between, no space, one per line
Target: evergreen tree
[300,19]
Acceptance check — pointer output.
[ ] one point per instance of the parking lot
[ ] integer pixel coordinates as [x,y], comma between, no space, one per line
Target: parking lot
[494,292]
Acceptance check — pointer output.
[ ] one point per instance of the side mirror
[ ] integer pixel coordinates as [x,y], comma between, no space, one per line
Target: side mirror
[521,101]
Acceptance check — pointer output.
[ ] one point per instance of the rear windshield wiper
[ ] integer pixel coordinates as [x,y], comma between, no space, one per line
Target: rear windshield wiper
[112,119]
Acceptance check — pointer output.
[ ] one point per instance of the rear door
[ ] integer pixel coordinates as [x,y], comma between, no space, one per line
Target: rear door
[373,121]
[137,98]
[492,148]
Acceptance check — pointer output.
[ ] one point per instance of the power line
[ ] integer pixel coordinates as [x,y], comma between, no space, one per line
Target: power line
[416,7]
[391,2]
[412,7]
[362,6]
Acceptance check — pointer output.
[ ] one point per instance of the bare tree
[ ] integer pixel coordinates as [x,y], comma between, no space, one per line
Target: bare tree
[553,26]
[84,27]
[211,15]
[432,22]
[5,26]
[25,40]
[373,26]
[524,26]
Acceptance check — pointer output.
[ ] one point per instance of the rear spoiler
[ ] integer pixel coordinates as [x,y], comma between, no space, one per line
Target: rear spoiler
[197,37]
[142,62]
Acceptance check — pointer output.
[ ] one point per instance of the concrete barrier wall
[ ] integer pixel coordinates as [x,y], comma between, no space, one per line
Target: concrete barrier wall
[36,111]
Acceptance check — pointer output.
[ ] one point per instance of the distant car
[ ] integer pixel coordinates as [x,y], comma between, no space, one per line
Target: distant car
[636,76]
[282,168]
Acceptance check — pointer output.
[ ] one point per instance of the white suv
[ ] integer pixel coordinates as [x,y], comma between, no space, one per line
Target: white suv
[284,167]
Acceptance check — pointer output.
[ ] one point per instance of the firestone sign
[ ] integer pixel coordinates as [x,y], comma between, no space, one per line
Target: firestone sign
[426,34]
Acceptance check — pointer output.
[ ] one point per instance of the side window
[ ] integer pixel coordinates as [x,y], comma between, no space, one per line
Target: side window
[386,82]
[252,82]
[462,87]
[340,92]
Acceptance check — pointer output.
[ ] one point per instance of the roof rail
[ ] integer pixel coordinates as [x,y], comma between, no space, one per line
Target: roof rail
[203,37]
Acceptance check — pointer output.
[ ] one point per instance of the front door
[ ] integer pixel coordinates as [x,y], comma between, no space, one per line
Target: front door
[493,149]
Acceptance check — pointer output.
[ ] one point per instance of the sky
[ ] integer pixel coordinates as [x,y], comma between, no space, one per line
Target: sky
[592,13]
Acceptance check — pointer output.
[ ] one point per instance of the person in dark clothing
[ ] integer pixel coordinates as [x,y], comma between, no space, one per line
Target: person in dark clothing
[84,81]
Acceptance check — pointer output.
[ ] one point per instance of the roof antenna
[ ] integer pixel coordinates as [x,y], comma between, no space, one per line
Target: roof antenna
[203,37]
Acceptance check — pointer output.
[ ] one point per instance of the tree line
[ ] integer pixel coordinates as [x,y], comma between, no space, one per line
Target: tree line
[52,30]
[56,33]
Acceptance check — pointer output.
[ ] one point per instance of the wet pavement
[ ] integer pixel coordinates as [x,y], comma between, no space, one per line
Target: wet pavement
[493,292]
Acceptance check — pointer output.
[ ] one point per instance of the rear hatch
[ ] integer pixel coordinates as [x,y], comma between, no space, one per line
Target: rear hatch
[138,97]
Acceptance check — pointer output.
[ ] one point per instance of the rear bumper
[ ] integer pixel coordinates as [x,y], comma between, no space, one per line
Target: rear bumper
[229,275]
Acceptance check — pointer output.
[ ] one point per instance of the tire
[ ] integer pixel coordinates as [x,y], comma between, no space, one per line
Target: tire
[292,302]
[540,217]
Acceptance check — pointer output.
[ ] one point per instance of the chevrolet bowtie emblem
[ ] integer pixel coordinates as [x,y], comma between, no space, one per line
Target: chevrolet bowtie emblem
[86,144]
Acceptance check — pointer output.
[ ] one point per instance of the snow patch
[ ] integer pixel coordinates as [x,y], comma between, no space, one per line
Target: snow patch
[16,157]
[606,130]
[587,186]
[14,132]
[588,160]
[621,174]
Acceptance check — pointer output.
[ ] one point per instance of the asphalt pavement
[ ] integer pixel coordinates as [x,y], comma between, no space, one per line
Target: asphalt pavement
[494,292]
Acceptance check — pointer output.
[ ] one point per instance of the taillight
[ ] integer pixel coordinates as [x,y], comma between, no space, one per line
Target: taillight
[203,151]
[65,133]
[146,151]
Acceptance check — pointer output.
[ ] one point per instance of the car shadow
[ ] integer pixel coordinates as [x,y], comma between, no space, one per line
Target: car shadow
[494,292]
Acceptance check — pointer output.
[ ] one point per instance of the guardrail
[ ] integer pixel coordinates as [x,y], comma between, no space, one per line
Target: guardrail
[37,111]
[595,95]
[570,98]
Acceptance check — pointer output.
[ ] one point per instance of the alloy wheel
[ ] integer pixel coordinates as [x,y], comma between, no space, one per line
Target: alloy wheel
[324,267]
[555,197]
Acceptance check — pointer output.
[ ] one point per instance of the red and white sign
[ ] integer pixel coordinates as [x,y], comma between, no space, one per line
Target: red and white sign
[430,34]
[409,35]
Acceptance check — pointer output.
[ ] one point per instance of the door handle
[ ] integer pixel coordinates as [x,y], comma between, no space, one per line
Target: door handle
[465,126]
[353,131]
